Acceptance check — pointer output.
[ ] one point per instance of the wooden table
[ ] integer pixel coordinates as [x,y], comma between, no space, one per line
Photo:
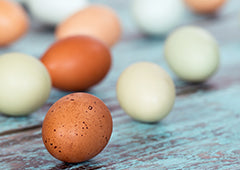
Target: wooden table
[201,132]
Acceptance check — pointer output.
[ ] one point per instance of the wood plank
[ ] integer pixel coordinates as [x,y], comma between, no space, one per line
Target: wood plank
[197,134]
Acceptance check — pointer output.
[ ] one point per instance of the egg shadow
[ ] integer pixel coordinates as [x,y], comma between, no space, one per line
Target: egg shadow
[154,38]
[83,165]
[184,87]
[14,116]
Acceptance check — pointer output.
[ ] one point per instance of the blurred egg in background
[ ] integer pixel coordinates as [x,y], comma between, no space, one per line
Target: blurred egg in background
[157,17]
[13,22]
[98,21]
[54,11]
[205,6]
[192,53]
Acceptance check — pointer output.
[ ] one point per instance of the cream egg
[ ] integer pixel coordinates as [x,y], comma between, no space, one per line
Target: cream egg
[146,92]
[157,17]
[54,11]
[192,53]
[25,84]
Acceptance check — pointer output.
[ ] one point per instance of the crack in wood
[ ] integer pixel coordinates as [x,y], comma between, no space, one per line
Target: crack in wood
[14,131]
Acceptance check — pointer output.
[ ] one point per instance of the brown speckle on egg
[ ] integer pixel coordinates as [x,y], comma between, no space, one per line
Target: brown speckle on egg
[74,136]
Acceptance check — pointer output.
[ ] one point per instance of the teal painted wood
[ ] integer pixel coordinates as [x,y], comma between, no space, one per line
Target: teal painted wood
[201,132]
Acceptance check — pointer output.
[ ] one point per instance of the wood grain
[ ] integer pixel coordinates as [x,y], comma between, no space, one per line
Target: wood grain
[201,132]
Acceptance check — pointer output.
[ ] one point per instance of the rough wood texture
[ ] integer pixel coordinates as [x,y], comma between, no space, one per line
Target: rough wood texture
[201,132]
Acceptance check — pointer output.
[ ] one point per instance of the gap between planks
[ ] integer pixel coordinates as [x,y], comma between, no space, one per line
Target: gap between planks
[25,129]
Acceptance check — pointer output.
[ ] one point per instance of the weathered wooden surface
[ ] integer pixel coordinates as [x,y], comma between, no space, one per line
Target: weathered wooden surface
[201,132]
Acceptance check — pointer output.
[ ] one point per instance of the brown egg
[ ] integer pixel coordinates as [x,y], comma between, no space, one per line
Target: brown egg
[205,6]
[77,63]
[13,22]
[97,21]
[77,127]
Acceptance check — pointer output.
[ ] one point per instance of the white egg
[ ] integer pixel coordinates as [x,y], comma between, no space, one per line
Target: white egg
[25,84]
[146,92]
[52,12]
[192,53]
[157,17]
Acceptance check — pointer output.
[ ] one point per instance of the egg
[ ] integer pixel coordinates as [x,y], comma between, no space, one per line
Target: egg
[192,53]
[77,63]
[25,84]
[55,11]
[204,6]
[157,17]
[13,22]
[77,127]
[97,21]
[145,92]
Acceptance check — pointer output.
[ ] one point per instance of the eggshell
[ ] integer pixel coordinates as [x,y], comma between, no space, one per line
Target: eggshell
[13,22]
[77,63]
[145,92]
[157,17]
[54,11]
[77,128]
[25,84]
[98,21]
[204,6]
[192,53]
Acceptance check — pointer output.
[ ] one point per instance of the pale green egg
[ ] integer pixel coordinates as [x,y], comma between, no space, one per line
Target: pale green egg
[25,84]
[192,53]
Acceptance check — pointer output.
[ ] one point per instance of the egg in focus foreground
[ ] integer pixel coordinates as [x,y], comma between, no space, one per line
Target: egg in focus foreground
[77,128]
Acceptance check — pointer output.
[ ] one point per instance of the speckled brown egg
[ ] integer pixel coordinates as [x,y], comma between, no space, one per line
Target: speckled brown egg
[77,127]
